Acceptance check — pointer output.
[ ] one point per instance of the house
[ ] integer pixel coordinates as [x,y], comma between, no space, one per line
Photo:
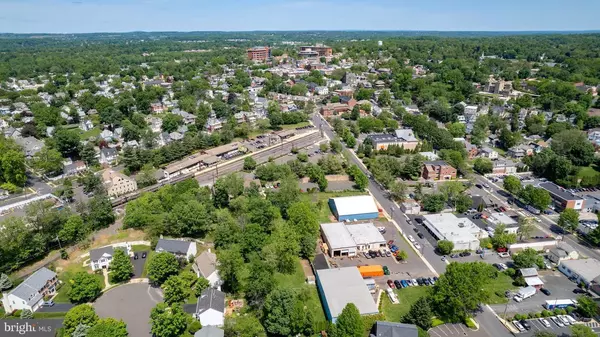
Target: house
[334,109]
[504,167]
[30,145]
[489,153]
[404,138]
[472,150]
[30,293]
[117,183]
[563,198]
[581,271]
[390,329]
[188,118]
[100,258]
[178,248]
[210,308]
[322,91]
[209,331]
[205,265]
[438,170]
[108,155]
[562,252]
[86,125]
[107,135]
[520,151]
[531,277]
[74,168]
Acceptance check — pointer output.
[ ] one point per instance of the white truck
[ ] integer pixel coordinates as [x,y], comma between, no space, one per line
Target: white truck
[525,293]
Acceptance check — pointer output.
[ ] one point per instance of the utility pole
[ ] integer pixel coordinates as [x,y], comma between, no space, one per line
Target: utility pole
[59,245]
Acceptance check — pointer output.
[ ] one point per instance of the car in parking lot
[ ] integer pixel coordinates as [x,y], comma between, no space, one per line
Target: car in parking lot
[518,326]
[398,284]
[143,255]
[544,322]
[388,253]
[390,284]
[546,291]
[417,245]
[525,324]
[414,282]
[557,321]
[420,235]
[411,239]
[463,254]
[570,319]
[404,283]
[564,319]
[367,255]
[419,220]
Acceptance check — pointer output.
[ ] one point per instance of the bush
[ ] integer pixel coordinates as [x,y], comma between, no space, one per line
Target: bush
[17,313]
[562,312]
[570,310]
[557,311]
[445,247]
[470,323]
[63,254]
[518,317]
[538,314]
[546,313]
[510,272]
[531,315]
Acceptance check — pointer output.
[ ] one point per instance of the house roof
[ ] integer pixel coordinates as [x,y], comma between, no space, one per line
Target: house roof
[96,254]
[406,135]
[390,329]
[109,151]
[206,263]
[209,331]
[29,289]
[211,298]
[586,268]
[365,233]
[320,262]
[534,281]
[173,246]
[337,235]
[528,272]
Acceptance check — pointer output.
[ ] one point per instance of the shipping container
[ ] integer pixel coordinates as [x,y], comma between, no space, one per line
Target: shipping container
[370,271]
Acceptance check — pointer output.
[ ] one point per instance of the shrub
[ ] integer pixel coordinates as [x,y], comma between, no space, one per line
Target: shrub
[538,314]
[518,317]
[563,312]
[531,315]
[510,272]
[570,310]
[470,323]
[546,313]
[557,311]
[17,313]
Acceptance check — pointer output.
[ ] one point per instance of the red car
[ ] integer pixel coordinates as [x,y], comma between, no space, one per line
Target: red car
[391,242]
[390,284]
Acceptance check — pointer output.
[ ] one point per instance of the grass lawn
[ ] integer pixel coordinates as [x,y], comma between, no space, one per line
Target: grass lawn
[406,296]
[66,275]
[40,315]
[313,302]
[497,288]
[293,126]
[323,197]
[145,271]
[140,248]
[587,172]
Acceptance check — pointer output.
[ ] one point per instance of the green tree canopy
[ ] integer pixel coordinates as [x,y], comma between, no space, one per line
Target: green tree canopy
[161,266]
[84,287]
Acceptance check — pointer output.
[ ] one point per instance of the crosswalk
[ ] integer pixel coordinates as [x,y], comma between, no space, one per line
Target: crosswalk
[592,324]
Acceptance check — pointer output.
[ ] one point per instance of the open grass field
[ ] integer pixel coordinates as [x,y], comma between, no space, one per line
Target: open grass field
[406,296]
[320,199]
[498,287]
[66,275]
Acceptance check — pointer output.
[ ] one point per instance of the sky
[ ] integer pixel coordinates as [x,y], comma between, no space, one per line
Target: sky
[86,16]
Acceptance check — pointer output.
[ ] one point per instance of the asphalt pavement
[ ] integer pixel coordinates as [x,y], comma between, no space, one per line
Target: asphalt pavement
[57,307]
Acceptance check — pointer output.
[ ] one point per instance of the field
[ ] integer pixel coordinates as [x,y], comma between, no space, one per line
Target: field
[321,198]
[66,275]
[406,296]
[498,287]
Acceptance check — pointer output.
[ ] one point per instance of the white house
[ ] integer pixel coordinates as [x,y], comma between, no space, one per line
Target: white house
[86,125]
[178,248]
[562,252]
[108,155]
[101,257]
[489,153]
[210,309]
[30,294]
[205,265]
[322,90]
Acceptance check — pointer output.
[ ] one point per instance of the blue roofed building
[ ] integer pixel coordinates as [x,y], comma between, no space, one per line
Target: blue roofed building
[360,207]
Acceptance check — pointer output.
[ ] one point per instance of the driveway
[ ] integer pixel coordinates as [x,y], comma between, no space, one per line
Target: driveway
[132,303]
[138,265]
[58,307]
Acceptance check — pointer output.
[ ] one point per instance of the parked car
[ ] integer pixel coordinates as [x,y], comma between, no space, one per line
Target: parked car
[386,270]
[143,255]
[544,322]
[388,253]
[546,291]
[525,324]
[414,282]
[426,281]
[411,239]
[404,283]
[420,235]
[564,319]
[518,326]
[398,284]
[419,220]
[417,245]
[49,303]
[557,321]
[367,255]
[570,319]
[390,284]
[135,256]
[463,254]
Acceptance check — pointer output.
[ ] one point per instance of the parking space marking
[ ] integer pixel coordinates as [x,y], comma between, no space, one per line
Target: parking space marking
[454,326]
[435,332]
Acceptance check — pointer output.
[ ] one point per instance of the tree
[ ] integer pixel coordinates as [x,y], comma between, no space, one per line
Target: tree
[336,145]
[385,98]
[67,142]
[536,197]
[277,312]
[483,165]
[360,179]
[434,202]
[13,167]
[230,267]
[48,161]
[512,184]
[121,267]
[460,290]
[244,326]
[88,154]
[84,287]
[349,323]
[526,227]
[420,314]
[91,183]
[82,314]
[108,327]
[171,122]
[528,258]
[445,247]
[260,283]
[174,290]
[398,191]
[81,330]
[502,238]
[462,203]
[569,219]
[457,129]
[26,314]
[201,285]
[574,145]
[324,147]
[168,321]
[5,282]
[249,164]
[587,307]
[580,330]
[161,266]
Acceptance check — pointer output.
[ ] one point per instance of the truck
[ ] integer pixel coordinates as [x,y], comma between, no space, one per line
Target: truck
[525,293]
[533,210]
[560,304]
[371,271]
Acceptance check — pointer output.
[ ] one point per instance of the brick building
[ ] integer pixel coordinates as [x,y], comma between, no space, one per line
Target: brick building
[259,53]
[438,170]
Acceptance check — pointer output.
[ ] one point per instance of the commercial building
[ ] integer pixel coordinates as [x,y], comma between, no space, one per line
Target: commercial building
[497,218]
[348,240]
[438,170]
[259,53]
[562,252]
[338,287]
[585,270]
[30,293]
[360,207]
[197,162]
[461,231]
[315,51]
[117,183]
[563,198]
[404,138]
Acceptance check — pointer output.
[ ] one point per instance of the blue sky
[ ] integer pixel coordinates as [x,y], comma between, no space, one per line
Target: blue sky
[82,16]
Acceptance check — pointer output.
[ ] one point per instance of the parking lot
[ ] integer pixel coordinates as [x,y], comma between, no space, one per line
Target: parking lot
[446,330]
[536,326]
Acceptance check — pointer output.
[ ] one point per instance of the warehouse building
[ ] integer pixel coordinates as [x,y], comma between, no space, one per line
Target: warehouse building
[347,240]
[461,231]
[338,287]
[360,207]
[585,270]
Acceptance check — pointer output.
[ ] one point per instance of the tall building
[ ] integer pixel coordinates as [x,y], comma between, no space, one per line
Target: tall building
[314,51]
[259,53]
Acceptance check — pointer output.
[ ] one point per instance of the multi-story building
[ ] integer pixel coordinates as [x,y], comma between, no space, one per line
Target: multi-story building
[315,51]
[563,198]
[29,295]
[402,137]
[259,53]
[117,183]
[438,170]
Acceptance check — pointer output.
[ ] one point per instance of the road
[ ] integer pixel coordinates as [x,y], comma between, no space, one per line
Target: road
[487,319]
[207,178]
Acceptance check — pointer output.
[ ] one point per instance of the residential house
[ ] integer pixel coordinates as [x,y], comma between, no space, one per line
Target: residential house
[188,118]
[520,151]
[30,293]
[86,125]
[118,134]
[322,91]
[351,102]
[210,308]
[562,252]
[209,331]
[391,329]
[205,265]
[107,135]
[179,248]
[438,170]
[100,258]
[531,277]
[30,145]
[402,137]
[157,107]
[108,155]
[117,183]
[504,166]
[334,109]
[472,150]
[74,168]
[155,124]
[175,136]
[489,153]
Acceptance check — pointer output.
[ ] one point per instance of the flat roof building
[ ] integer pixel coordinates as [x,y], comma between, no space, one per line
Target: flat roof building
[585,270]
[360,207]
[461,231]
[341,286]
[563,198]
[348,240]
[259,53]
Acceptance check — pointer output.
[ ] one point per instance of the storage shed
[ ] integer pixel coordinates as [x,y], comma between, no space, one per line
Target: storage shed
[360,207]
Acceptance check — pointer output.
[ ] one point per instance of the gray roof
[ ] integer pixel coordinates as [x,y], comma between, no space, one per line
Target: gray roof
[559,192]
[206,263]
[389,329]
[209,331]
[528,272]
[211,298]
[109,151]
[173,246]
[29,289]
[96,254]
[342,286]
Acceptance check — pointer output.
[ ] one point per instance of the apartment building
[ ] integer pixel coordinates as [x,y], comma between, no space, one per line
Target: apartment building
[259,53]
[315,51]
[438,170]
[117,183]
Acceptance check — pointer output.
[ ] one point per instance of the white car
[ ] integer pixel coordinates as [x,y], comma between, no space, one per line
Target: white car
[544,322]
[570,319]
[414,282]
[417,245]
[564,319]
[518,325]
[557,321]
[411,239]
